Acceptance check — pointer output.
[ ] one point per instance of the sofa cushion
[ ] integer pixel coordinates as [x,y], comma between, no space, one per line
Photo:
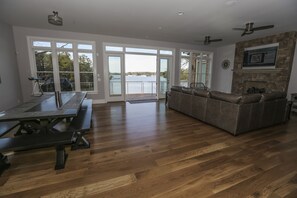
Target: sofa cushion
[273,96]
[233,98]
[201,92]
[176,88]
[250,98]
[187,90]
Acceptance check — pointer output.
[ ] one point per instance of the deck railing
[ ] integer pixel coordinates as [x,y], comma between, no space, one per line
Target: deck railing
[137,87]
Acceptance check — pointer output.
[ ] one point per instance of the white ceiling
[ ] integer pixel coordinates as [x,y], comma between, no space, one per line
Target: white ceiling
[156,19]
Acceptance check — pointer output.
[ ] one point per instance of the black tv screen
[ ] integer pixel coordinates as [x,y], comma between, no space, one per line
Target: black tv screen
[260,58]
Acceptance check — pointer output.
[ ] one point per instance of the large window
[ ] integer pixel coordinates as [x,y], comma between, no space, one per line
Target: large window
[63,65]
[184,69]
[137,72]
[195,67]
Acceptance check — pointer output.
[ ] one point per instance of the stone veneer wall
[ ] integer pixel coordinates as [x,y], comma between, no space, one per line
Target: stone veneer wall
[275,79]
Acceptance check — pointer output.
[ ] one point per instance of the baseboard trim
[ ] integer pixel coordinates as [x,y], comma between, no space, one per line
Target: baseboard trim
[102,101]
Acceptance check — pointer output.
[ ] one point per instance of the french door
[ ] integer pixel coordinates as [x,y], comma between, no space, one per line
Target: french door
[115,80]
[163,76]
[131,72]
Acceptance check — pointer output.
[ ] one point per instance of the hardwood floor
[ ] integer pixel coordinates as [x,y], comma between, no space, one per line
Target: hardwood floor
[147,150]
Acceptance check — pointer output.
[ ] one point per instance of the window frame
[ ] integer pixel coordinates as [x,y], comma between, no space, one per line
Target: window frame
[54,49]
[210,62]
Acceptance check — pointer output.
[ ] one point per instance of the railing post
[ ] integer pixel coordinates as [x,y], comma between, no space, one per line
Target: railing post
[142,87]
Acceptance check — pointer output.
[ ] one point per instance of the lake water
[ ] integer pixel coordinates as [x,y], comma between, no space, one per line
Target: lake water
[137,84]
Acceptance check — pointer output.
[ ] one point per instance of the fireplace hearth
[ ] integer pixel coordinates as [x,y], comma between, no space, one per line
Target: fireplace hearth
[252,87]
[253,90]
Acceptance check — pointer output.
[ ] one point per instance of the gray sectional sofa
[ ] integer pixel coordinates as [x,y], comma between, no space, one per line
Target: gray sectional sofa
[233,113]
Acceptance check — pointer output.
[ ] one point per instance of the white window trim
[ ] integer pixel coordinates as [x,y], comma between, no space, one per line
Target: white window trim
[54,50]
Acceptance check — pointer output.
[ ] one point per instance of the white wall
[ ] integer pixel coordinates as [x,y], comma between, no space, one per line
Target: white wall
[222,78]
[21,33]
[10,85]
[293,79]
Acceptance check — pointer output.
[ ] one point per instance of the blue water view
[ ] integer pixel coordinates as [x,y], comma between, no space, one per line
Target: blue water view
[137,84]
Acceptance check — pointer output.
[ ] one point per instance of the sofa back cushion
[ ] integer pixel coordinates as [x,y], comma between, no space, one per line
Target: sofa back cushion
[273,96]
[250,98]
[201,92]
[176,88]
[228,97]
[187,90]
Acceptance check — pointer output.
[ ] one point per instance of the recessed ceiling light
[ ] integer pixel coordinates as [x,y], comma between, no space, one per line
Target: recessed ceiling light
[180,13]
[160,28]
[231,2]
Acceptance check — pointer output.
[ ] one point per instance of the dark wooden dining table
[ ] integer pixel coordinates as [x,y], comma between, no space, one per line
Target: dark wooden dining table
[41,114]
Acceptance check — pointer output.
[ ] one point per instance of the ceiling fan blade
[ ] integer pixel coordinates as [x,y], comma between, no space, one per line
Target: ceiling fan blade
[263,27]
[215,40]
[243,33]
[238,29]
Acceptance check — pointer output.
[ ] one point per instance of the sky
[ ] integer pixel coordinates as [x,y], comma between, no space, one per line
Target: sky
[134,63]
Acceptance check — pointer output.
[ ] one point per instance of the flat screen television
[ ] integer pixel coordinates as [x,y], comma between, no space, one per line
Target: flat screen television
[260,57]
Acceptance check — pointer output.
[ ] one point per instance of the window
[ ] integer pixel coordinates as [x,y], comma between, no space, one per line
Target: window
[195,67]
[184,71]
[86,71]
[64,65]
[141,50]
[41,44]
[203,69]
[166,52]
[114,49]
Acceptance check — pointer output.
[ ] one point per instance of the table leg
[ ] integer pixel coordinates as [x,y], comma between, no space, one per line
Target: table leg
[61,157]
[44,126]
[81,142]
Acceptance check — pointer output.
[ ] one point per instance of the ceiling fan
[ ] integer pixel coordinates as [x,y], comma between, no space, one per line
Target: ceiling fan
[249,28]
[207,40]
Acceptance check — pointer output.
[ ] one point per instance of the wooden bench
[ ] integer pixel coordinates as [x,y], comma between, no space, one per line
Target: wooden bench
[6,127]
[34,141]
[81,124]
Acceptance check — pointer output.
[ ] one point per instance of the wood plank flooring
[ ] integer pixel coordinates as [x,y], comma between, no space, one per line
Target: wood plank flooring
[146,150]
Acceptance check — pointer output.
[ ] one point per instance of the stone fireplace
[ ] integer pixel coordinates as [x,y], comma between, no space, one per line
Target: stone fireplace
[271,79]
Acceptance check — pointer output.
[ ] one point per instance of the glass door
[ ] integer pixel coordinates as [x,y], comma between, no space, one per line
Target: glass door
[115,77]
[140,76]
[163,81]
